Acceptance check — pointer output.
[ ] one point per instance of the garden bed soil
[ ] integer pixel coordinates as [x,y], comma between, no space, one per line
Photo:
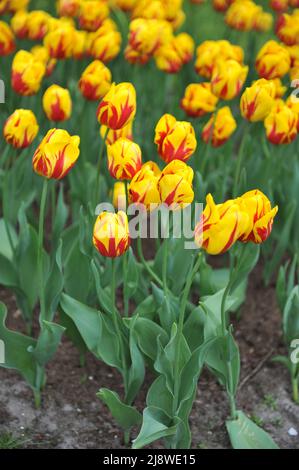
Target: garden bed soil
[72,417]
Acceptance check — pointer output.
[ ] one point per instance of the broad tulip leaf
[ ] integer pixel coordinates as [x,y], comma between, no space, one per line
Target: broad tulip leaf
[47,343]
[8,274]
[54,285]
[159,396]
[194,328]
[249,255]
[155,425]
[132,275]
[146,308]
[77,275]
[148,333]
[72,332]
[126,416]
[291,316]
[137,370]
[61,214]
[245,434]
[16,348]
[5,248]
[104,296]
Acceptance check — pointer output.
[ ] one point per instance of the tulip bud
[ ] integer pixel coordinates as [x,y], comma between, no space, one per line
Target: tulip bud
[257,100]
[56,154]
[148,35]
[241,15]
[199,99]
[143,188]
[57,103]
[68,7]
[7,42]
[80,45]
[92,14]
[184,45]
[95,81]
[41,54]
[219,132]
[220,226]
[118,107]
[112,136]
[228,79]
[111,234]
[60,41]
[152,10]
[124,159]
[261,216]
[19,24]
[281,124]
[287,29]
[21,128]
[210,52]
[293,104]
[119,199]
[27,73]
[37,24]
[175,139]
[168,59]
[279,5]
[273,60]
[105,43]
[263,21]
[175,185]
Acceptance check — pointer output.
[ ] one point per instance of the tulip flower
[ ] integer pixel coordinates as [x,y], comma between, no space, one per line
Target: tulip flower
[280,89]
[228,79]
[294,54]
[60,41]
[112,136]
[118,107]
[210,52]
[56,154]
[68,7]
[241,15]
[168,59]
[37,24]
[92,14]
[146,36]
[294,72]
[7,42]
[220,226]
[111,234]
[15,5]
[221,5]
[261,216]
[21,128]
[219,131]
[57,103]
[143,188]
[95,81]
[199,99]
[257,100]
[175,139]
[27,73]
[125,5]
[184,45]
[293,104]
[273,60]
[119,199]
[124,159]
[175,185]
[19,24]
[287,29]
[281,124]
[105,43]
[80,45]
[279,5]
[41,54]
[135,57]
[263,21]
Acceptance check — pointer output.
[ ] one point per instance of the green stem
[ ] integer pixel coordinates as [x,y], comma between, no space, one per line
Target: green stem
[186,292]
[295,388]
[145,263]
[164,265]
[125,266]
[98,179]
[240,161]
[40,257]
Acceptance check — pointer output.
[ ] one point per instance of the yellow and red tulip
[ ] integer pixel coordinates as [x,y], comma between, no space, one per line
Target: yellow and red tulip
[95,81]
[124,159]
[19,24]
[210,52]
[261,216]
[7,42]
[257,100]
[293,104]
[21,128]
[287,29]
[92,14]
[218,131]
[220,226]
[148,35]
[37,24]
[118,107]
[60,41]
[57,103]
[27,73]
[119,199]
[281,124]
[199,99]
[56,154]
[111,234]
[112,136]
[68,7]
[143,188]
[175,139]
[241,15]
[273,60]
[175,185]
[228,79]
[279,5]
[105,43]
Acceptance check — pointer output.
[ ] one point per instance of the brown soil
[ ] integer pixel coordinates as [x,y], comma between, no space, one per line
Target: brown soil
[72,417]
